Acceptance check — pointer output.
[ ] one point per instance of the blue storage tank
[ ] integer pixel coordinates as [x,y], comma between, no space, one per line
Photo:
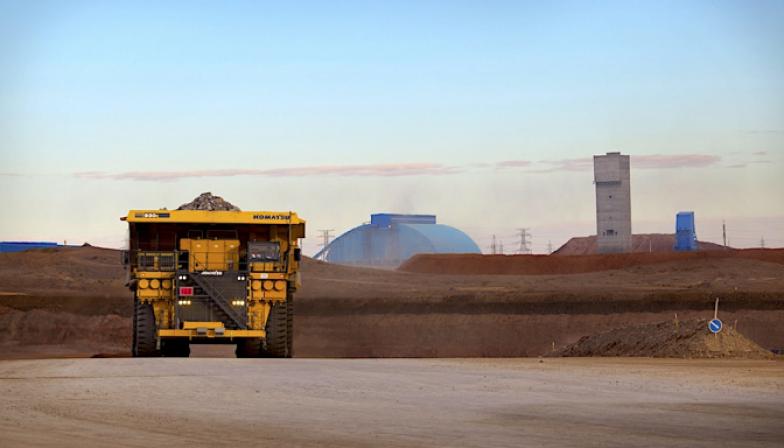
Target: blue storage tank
[685,232]
[389,239]
[19,246]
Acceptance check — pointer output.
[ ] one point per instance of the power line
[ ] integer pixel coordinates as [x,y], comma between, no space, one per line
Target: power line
[325,237]
[525,241]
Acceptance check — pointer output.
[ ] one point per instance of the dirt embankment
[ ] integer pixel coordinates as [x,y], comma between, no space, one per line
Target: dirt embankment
[644,242]
[477,264]
[673,339]
[73,300]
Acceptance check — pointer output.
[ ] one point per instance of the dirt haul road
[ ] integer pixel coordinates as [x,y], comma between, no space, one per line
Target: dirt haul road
[391,402]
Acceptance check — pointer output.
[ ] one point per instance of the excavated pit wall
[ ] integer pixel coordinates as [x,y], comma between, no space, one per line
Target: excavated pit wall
[349,329]
[353,312]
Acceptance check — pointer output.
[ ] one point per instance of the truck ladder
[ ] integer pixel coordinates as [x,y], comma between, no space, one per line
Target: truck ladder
[217,298]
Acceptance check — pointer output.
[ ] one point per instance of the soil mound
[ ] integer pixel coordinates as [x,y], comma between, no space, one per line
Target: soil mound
[688,339]
[644,242]
[477,264]
[207,201]
[41,327]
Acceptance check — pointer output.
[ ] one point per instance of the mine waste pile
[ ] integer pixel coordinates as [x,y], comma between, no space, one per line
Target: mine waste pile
[207,201]
[688,339]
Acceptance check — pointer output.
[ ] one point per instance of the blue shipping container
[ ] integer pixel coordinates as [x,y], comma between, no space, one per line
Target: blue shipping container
[685,232]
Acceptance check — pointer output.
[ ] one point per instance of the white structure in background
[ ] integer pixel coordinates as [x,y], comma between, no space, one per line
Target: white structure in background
[613,203]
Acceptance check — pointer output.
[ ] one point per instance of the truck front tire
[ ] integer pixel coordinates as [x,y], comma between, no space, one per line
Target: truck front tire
[144,328]
[280,334]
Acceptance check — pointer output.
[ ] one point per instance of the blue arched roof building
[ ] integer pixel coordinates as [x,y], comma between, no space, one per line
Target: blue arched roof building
[390,239]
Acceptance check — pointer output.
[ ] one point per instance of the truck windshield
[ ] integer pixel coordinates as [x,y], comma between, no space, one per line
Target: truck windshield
[263,251]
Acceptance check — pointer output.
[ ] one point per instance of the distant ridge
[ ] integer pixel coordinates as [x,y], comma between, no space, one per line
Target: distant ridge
[644,242]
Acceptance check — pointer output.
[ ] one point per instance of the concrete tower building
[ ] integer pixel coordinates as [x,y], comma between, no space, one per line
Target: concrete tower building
[613,203]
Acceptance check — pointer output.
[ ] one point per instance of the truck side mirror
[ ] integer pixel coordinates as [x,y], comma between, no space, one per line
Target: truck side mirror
[297,254]
[125,257]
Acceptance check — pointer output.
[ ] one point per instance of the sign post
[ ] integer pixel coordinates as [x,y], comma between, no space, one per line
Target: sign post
[716,324]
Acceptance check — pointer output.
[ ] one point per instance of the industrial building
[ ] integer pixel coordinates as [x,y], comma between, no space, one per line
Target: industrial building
[685,232]
[21,246]
[613,203]
[390,239]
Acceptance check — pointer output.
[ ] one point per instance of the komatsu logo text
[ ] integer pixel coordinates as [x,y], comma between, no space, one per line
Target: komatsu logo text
[271,217]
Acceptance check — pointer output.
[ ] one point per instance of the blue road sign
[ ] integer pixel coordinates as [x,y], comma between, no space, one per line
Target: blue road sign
[715,325]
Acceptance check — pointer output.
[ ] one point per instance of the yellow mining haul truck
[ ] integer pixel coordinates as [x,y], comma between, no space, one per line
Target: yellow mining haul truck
[213,277]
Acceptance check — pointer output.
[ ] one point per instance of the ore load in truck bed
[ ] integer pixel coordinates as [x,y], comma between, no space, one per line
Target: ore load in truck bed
[207,201]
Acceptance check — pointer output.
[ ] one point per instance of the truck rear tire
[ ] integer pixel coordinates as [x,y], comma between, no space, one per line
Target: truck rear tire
[290,323]
[250,348]
[280,336]
[144,328]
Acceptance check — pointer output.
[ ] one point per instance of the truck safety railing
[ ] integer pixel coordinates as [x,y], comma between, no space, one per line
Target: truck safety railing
[170,261]
[156,261]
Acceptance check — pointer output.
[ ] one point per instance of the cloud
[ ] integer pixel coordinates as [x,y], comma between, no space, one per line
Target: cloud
[512,164]
[382,170]
[580,164]
[766,131]
[655,161]
[551,166]
[743,164]
[759,153]
[658,161]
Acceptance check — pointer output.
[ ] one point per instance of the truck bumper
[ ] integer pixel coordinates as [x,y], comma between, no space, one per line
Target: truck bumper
[209,332]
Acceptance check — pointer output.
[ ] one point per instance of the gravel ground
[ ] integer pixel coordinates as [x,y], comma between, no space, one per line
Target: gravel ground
[391,402]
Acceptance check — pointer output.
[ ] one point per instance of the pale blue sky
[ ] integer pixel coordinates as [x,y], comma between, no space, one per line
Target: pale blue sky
[341,109]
